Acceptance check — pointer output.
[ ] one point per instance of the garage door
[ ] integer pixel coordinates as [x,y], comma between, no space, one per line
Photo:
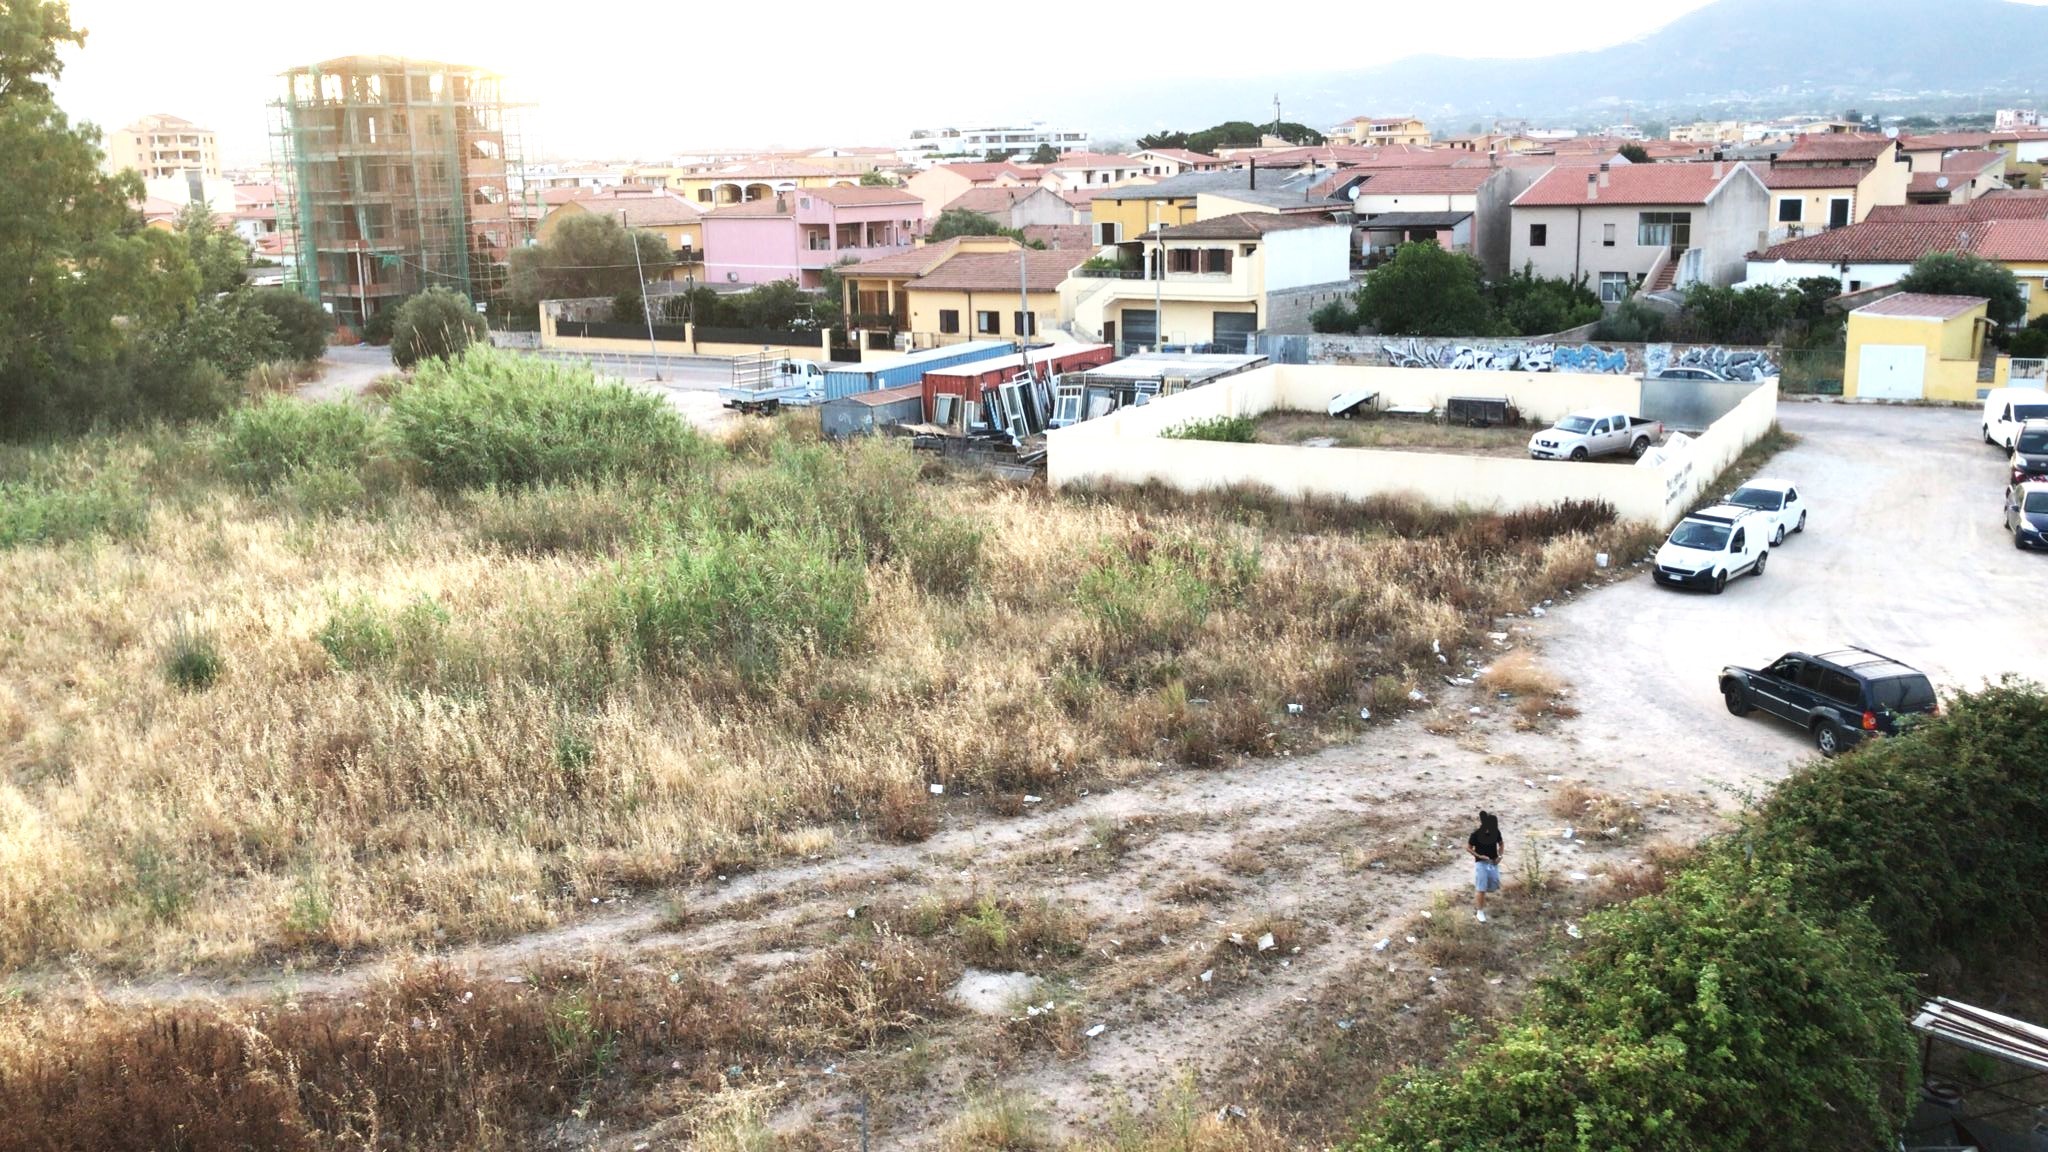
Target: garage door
[1139,331]
[1891,371]
[1232,331]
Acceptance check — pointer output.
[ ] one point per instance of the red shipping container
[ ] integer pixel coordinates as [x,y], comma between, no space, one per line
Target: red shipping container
[972,380]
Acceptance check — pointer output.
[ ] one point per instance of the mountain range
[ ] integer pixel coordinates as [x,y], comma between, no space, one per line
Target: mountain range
[1818,55]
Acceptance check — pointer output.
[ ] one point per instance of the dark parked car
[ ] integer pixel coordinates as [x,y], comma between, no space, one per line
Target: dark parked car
[2030,452]
[1840,697]
[2026,514]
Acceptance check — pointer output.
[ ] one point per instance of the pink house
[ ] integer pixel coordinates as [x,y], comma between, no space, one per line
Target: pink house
[797,234]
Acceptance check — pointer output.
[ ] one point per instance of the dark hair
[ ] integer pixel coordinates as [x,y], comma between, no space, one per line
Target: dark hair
[1488,823]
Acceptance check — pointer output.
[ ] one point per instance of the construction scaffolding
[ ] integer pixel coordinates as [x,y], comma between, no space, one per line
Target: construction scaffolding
[394,176]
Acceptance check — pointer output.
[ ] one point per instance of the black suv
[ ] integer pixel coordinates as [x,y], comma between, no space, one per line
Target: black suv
[1840,697]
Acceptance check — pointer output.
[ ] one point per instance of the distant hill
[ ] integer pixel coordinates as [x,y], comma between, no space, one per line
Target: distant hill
[1814,54]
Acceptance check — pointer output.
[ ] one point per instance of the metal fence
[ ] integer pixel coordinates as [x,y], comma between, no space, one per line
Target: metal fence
[763,336]
[2026,368]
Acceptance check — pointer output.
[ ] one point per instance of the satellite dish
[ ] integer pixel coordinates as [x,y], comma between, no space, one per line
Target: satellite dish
[1352,192]
[1941,181]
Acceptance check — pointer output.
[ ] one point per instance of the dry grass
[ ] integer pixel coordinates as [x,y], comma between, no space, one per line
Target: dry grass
[1518,674]
[1597,814]
[420,729]
[1391,432]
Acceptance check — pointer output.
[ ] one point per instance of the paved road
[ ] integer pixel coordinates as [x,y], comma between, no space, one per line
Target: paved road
[1904,554]
[690,384]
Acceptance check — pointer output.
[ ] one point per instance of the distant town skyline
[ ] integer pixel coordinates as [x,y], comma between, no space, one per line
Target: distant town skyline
[638,79]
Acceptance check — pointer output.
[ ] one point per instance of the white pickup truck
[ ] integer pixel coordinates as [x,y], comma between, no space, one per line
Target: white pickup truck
[767,383]
[1584,435]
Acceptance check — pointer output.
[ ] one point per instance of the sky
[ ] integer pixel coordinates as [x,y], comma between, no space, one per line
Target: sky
[643,79]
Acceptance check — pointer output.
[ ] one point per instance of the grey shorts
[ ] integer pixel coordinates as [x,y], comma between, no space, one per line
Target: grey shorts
[1485,876]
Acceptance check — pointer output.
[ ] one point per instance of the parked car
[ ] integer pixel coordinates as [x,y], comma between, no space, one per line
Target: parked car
[2005,409]
[2026,514]
[1713,546]
[1777,501]
[1841,697]
[1688,374]
[2030,452]
[1584,435]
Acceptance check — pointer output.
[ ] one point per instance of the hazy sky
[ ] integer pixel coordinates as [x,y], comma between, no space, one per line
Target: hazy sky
[645,78]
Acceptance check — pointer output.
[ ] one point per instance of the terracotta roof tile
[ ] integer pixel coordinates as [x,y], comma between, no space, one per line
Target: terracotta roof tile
[1997,204]
[915,262]
[845,197]
[1971,162]
[983,173]
[1924,305]
[1929,183]
[1945,141]
[1242,226]
[643,209]
[1095,160]
[1870,243]
[997,271]
[1424,181]
[993,201]
[2012,240]
[1837,146]
[1836,176]
[1565,187]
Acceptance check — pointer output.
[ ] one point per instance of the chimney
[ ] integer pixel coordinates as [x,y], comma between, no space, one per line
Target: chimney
[1255,173]
[1592,186]
[1720,169]
[1603,175]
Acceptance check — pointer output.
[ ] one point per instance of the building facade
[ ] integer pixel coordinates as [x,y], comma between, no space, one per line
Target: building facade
[162,147]
[1640,226]
[797,235]
[1013,140]
[393,177]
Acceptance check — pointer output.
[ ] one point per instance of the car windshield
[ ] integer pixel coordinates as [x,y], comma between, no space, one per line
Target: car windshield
[1575,424]
[1695,534]
[2031,410]
[1759,498]
[2033,443]
[1903,694]
[2037,502]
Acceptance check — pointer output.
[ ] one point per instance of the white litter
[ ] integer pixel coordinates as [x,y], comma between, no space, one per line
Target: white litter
[853,913]
[938,789]
[1577,877]
[1567,832]
[1436,647]
[1382,945]
[1266,943]
[1294,709]
[1537,612]
[1034,799]
[1207,974]
[1416,696]
[1365,713]
[1098,1030]
[1237,937]
[1427,915]
[1599,559]
[1411,939]
[1572,930]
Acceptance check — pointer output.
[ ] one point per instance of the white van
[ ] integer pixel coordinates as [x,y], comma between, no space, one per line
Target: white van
[2005,409]
[1713,546]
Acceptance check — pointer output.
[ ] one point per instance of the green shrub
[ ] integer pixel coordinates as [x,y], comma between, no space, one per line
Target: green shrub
[357,637]
[191,661]
[490,418]
[1156,601]
[281,438]
[412,640]
[558,518]
[747,602]
[434,325]
[302,326]
[377,329]
[1229,429]
[1337,316]
[31,513]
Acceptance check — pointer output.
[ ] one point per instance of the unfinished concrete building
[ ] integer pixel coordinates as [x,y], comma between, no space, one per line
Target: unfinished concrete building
[396,175]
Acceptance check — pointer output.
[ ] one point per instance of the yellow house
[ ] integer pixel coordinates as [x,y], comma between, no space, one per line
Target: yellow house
[1916,346]
[976,296]
[1380,130]
[875,288]
[647,209]
[1833,181]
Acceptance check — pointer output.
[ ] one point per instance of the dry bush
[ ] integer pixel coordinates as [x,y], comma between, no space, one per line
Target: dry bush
[1059,1031]
[1001,1123]
[1410,854]
[1594,813]
[1236,953]
[859,991]
[1519,674]
[1245,860]
[1454,938]
[994,933]
[1199,888]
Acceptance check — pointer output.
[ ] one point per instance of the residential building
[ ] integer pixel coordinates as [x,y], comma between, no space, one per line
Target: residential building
[1640,226]
[1833,180]
[1915,346]
[1061,236]
[1707,132]
[942,184]
[1164,162]
[1380,130]
[1214,282]
[976,295]
[163,146]
[1880,252]
[1120,214]
[1960,178]
[393,177]
[255,212]
[1462,209]
[932,143]
[874,286]
[2008,119]
[796,235]
[1624,132]
[679,223]
[1014,207]
[1090,169]
[745,181]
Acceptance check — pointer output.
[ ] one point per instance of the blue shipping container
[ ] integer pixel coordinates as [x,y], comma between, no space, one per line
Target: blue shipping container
[852,378]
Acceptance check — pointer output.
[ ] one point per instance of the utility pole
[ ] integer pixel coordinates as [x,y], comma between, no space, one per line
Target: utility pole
[1158,274]
[646,313]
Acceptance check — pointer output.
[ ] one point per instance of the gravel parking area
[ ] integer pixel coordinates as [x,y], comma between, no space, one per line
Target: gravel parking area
[1904,554]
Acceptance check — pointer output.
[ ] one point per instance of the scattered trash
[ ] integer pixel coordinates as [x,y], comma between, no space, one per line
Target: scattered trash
[938,789]
[853,913]
[1034,799]
[673,978]
[1230,1112]
[1165,943]
[1098,1030]
[1237,938]
[1475,710]
[1495,980]
[1567,832]
[1206,974]
[1577,877]
[1415,694]
[1294,709]
[1344,1025]
[1497,637]
[1599,559]
[1572,930]
[1427,915]
[1436,647]
[1266,943]
[515,979]
[1365,713]
[1382,945]
[1536,612]
[1458,681]
[1411,939]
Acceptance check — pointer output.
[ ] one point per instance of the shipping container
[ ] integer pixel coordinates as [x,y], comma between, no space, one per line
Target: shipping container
[866,413]
[971,380]
[848,379]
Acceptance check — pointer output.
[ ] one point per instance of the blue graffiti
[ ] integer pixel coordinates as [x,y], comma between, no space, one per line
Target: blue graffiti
[1589,358]
[1508,357]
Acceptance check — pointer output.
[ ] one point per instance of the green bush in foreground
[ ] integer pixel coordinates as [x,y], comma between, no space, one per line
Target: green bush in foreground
[283,437]
[435,325]
[33,513]
[488,418]
[1228,429]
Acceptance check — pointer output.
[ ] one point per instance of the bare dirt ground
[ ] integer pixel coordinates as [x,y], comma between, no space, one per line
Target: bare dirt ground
[1350,858]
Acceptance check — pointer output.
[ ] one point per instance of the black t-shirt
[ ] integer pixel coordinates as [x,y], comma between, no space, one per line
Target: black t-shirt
[1487,844]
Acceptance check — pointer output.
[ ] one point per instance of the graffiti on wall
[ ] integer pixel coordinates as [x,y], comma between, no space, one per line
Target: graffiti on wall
[1749,364]
[1507,357]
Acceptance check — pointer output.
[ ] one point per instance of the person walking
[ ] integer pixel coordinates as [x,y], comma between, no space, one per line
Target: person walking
[1486,845]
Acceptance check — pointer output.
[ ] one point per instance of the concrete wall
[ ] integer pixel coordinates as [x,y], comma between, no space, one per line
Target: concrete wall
[1289,311]
[1126,445]
[1300,257]
[1534,354]
[549,338]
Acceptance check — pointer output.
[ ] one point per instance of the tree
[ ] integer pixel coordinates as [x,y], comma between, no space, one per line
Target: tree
[30,31]
[1164,140]
[1532,305]
[302,326]
[1964,274]
[589,254]
[220,255]
[1045,154]
[1426,291]
[1634,153]
[437,323]
[1757,314]
[876,178]
[965,222]
[1335,317]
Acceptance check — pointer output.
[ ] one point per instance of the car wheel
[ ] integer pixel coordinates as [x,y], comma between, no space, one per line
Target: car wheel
[1761,559]
[1987,436]
[2018,543]
[1801,526]
[1777,535]
[1641,446]
[1579,453]
[1827,738]
[1737,700]
[1720,582]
